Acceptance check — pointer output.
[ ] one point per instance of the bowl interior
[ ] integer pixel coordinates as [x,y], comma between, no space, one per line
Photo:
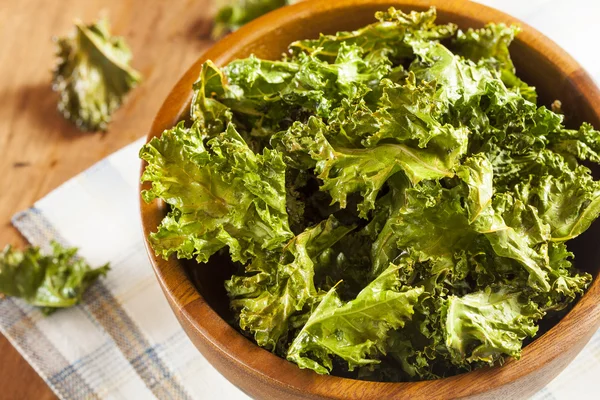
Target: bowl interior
[538,61]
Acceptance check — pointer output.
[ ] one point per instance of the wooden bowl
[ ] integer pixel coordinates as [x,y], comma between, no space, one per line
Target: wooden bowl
[262,374]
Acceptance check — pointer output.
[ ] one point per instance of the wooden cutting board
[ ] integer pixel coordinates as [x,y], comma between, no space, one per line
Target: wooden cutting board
[39,149]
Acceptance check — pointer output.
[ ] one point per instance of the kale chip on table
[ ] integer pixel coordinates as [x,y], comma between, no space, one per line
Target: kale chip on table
[93,75]
[49,281]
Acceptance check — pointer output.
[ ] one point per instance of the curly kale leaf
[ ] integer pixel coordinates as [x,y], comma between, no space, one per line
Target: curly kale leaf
[568,202]
[265,96]
[210,114]
[232,14]
[485,325]
[93,75]
[277,286]
[221,194]
[430,196]
[386,39]
[357,330]
[52,281]
[348,170]
[583,143]
[489,45]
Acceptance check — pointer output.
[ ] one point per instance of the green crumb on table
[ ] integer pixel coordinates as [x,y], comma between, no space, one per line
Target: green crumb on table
[51,281]
[92,75]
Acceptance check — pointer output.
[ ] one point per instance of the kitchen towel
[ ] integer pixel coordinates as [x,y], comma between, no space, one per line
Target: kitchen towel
[123,341]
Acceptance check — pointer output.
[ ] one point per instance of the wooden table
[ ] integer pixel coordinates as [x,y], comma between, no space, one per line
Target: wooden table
[39,149]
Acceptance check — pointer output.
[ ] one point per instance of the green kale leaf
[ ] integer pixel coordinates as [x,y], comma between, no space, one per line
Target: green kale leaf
[210,114]
[52,281]
[357,330]
[490,45]
[92,75]
[482,325]
[221,194]
[278,286]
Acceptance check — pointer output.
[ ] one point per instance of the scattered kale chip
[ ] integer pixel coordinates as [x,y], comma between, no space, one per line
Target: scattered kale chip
[51,281]
[92,75]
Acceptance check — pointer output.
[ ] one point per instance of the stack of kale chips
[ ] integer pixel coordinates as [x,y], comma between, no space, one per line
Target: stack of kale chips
[395,201]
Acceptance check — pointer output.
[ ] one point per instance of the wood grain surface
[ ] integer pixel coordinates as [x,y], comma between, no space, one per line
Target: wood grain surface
[39,149]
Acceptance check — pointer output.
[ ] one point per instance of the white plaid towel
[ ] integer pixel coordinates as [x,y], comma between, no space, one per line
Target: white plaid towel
[123,342]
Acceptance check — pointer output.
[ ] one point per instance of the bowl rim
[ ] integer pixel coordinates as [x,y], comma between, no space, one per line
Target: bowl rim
[581,322]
